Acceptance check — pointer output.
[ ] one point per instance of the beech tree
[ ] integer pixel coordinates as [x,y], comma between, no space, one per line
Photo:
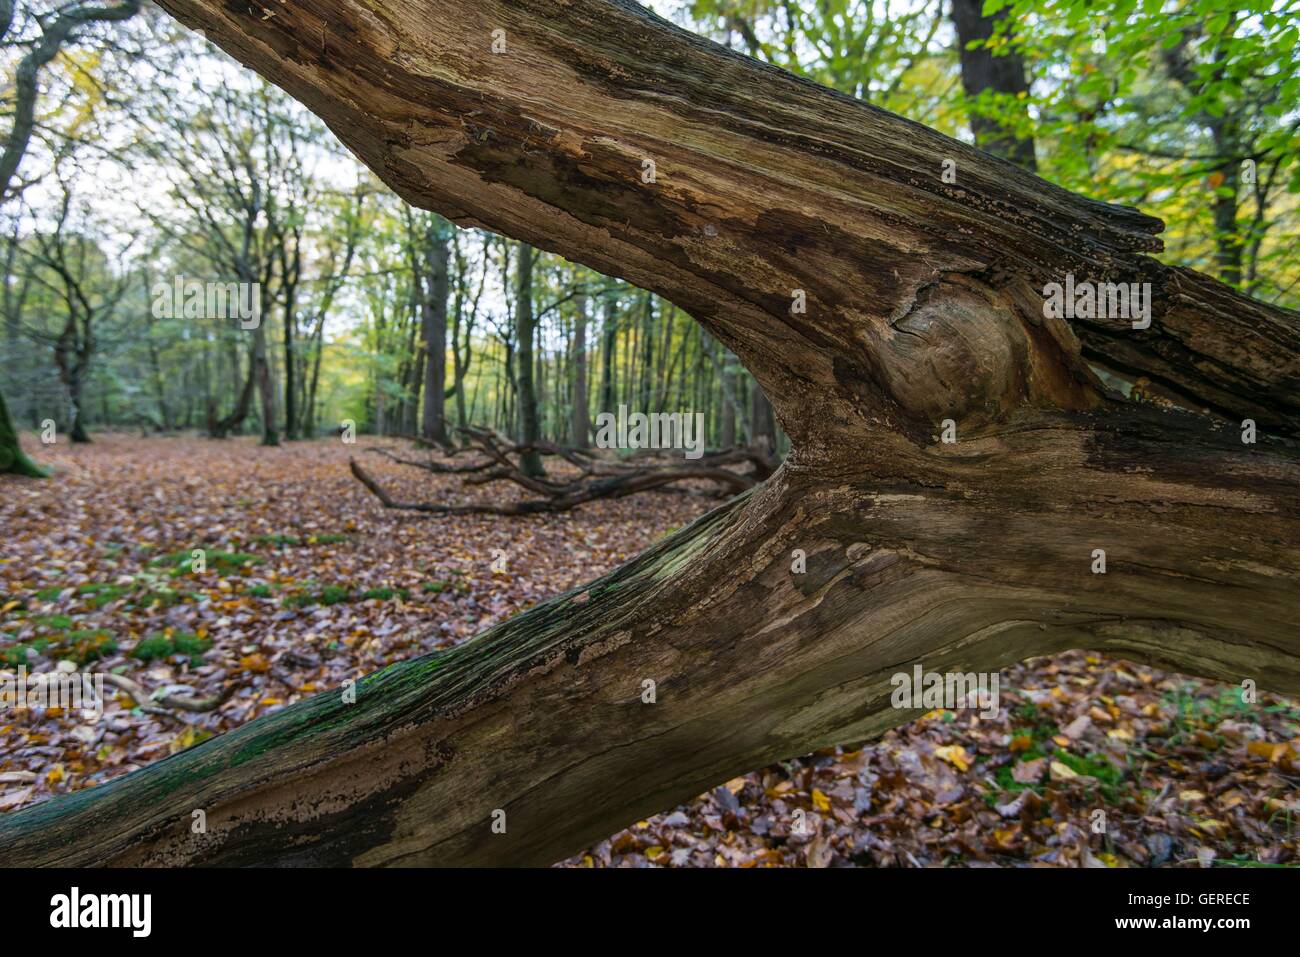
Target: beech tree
[964,488]
[12,457]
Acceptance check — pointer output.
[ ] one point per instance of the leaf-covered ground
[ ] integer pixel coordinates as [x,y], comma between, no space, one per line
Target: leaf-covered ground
[308,581]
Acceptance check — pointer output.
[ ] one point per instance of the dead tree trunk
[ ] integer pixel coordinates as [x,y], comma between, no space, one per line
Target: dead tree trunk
[923,305]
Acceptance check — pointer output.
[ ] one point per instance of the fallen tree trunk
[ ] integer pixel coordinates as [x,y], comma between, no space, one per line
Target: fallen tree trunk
[597,479]
[924,320]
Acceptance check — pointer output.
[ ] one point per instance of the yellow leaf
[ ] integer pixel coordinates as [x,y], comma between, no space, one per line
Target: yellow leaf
[9,606]
[1268,750]
[191,736]
[1020,742]
[821,802]
[1190,795]
[655,852]
[955,755]
[1062,772]
[255,662]
[55,775]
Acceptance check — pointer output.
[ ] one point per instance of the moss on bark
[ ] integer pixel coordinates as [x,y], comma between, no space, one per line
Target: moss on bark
[12,457]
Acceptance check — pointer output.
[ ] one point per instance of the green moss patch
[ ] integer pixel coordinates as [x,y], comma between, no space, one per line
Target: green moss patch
[161,645]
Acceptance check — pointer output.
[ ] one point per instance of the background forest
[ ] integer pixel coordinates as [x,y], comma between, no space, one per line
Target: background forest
[136,156]
[150,156]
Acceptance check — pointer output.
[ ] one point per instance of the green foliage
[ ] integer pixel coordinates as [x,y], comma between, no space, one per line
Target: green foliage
[102,593]
[81,646]
[337,594]
[221,561]
[280,541]
[333,595]
[85,645]
[163,645]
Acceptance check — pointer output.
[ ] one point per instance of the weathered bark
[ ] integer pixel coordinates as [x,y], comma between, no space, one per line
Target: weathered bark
[922,306]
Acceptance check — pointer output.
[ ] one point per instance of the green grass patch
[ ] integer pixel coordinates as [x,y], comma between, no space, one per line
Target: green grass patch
[161,645]
[16,655]
[279,541]
[337,594]
[84,646]
[225,562]
[99,594]
[333,594]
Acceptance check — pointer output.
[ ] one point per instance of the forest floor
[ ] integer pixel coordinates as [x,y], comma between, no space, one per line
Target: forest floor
[1089,762]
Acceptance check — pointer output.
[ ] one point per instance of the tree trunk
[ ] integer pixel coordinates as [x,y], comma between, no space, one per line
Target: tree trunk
[219,428]
[762,422]
[981,70]
[437,254]
[317,349]
[12,457]
[290,359]
[923,306]
[609,344]
[265,386]
[580,424]
[530,425]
